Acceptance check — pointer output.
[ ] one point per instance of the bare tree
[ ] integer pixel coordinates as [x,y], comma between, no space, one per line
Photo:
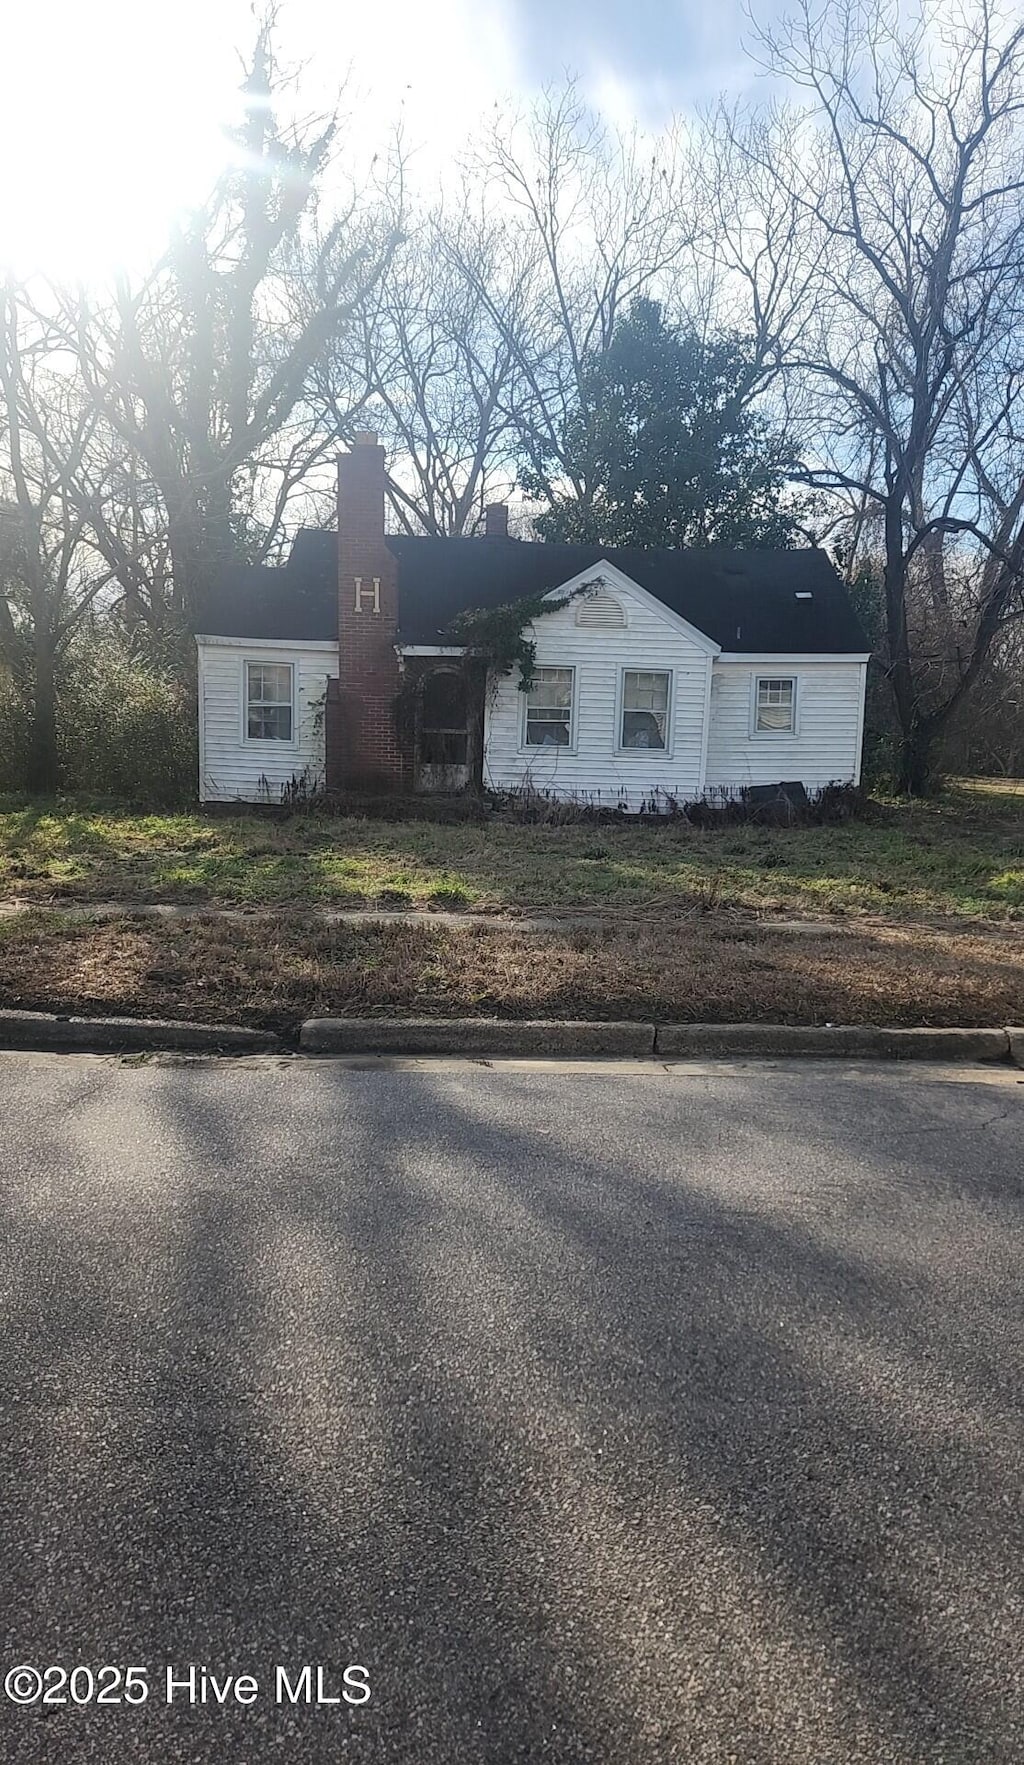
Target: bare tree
[905,184]
[987,735]
[52,572]
[440,369]
[203,370]
[753,262]
[594,220]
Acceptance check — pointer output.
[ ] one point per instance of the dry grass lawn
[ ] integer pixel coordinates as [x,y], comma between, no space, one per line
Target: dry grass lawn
[271,971]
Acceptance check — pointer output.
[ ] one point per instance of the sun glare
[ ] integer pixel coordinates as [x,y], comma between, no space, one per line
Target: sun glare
[110,120]
[112,114]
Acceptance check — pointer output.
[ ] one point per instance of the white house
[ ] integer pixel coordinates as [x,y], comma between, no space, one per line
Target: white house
[660,675]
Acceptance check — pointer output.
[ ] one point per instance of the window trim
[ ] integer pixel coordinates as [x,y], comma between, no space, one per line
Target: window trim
[535,747]
[774,735]
[664,753]
[263,742]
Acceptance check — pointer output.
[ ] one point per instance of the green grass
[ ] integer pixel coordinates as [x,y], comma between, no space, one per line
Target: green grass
[962,854]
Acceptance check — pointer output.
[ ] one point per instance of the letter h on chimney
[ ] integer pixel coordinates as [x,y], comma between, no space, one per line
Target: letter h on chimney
[367,593]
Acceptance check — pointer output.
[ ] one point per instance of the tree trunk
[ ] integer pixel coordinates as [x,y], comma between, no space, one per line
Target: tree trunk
[8,634]
[188,577]
[901,674]
[200,545]
[42,757]
[915,772]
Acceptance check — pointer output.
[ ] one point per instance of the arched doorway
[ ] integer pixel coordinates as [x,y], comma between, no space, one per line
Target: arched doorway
[442,733]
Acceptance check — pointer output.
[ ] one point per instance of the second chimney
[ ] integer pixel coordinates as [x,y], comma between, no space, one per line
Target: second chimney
[496,521]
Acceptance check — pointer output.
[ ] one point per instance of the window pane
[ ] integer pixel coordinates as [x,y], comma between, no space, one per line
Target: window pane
[644,708]
[268,687]
[550,730]
[270,683]
[270,723]
[549,708]
[645,691]
[551,689]
[774,704]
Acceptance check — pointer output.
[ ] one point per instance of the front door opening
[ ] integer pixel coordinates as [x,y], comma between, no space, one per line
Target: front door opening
[442,748]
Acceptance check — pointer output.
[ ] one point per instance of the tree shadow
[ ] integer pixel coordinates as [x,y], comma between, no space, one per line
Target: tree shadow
[670,1433]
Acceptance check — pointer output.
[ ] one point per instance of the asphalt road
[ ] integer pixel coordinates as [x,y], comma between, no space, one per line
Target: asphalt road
[613,1414]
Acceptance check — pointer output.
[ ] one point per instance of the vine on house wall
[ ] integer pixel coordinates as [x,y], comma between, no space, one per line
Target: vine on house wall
[317,709]
[406,701]
[495,637]
[494,646]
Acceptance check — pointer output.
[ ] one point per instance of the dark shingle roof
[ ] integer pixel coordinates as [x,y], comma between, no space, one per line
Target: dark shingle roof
[744,600]
[252,602]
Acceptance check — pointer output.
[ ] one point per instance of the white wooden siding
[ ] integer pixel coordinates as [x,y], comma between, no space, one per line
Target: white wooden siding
[596,768]
[829,724]
[712,745]
[232,768]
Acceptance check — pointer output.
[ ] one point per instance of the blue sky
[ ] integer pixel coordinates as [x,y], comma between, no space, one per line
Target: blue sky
[661,55]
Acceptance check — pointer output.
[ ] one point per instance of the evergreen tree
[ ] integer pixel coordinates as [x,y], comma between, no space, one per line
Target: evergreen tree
[667,447]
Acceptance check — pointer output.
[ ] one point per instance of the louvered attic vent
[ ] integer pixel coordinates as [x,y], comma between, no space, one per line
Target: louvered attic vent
[601,610]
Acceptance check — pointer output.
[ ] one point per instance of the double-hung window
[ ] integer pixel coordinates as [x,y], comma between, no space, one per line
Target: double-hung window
[549,708]
[269,707]
[645,696]
[775,705]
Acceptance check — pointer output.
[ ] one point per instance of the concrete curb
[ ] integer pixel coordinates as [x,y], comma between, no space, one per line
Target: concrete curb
[866,1041]
[127,1035]
[478,1037]
[472,1036]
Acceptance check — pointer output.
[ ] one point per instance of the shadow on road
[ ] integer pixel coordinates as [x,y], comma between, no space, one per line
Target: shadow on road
[667,1426]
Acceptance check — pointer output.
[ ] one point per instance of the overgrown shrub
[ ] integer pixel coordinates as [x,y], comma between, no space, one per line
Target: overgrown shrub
[773,805]
[14,735]
[125,728]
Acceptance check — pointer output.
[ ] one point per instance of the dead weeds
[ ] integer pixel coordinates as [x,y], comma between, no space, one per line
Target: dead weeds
[272,971]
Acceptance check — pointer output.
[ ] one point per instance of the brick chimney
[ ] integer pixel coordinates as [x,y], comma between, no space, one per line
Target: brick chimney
[363,748]
[496,521]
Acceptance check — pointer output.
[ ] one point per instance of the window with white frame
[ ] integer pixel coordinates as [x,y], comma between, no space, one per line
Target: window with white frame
[549,708]
[775,705]
[269,690]
[645,695]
